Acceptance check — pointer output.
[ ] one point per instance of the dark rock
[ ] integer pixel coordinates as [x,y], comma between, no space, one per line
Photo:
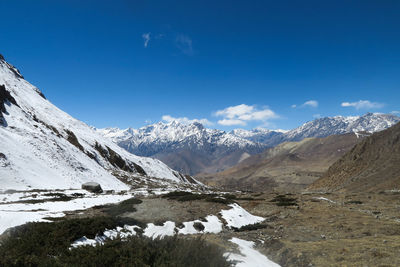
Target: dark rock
[92,187]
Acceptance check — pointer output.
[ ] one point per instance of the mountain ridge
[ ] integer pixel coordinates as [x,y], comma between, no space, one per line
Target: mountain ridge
[193,149]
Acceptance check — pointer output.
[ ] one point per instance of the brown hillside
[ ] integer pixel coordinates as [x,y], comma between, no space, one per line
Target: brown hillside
[291,165]
[373,164]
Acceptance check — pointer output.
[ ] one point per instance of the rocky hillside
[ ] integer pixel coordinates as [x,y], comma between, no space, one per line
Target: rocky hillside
[290,165]
[373,164]
[43,147]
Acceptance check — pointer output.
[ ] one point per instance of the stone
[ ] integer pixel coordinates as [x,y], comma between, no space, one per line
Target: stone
[92,187]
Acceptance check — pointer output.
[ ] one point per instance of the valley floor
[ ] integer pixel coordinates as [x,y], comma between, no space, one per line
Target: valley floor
[304,229]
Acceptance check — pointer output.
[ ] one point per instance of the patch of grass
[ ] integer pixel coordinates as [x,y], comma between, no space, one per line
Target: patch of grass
[47,244]
[122,207]
[220,200]
[283,200]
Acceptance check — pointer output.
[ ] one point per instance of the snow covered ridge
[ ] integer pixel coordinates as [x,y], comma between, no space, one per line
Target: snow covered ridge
[43,147]
[160,137]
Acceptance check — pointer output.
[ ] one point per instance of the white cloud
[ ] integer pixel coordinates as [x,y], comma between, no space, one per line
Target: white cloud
[185,44]
[231,122]
[146,38]
[363,104]
[185,120]
[310,103]
[240,114]
[395,112]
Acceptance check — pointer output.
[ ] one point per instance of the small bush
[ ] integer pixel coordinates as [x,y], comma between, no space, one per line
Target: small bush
[354,202]
[250,227]
[220,200]
[283,200]
[198,226]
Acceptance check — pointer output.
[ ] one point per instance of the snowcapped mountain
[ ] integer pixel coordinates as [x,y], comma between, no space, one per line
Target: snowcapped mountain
[323,127]
[193,149]
[189,148]
[370,122]
[43,147]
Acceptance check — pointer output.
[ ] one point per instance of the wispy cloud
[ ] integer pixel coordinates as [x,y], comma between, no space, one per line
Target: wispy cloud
[241,114]
[363,104]
[185,120]
[309,103]
[146,38]
[395,112]
[185,44]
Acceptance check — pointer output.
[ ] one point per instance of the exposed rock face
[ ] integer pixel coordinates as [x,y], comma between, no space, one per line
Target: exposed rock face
[92,187]
[373,164]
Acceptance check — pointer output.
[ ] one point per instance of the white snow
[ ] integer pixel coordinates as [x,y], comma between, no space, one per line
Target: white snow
[249,257]
[122,232]
[14,214]
[238,217]
[325,199]
[154,231]
[212,225]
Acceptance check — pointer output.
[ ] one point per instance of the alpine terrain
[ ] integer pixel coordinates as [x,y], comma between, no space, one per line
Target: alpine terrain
[43,147]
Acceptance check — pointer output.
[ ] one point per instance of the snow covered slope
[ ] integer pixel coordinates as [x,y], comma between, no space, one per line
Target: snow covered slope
[43,147]
[189,148]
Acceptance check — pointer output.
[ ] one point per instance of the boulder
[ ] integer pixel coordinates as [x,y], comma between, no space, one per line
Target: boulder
[92,187]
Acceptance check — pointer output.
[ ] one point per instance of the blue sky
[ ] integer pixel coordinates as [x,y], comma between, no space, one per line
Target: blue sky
[231,64]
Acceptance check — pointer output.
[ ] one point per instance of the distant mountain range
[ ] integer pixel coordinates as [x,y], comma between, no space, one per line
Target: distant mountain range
[42,147]
[194,149]
[323,127]
[188,148]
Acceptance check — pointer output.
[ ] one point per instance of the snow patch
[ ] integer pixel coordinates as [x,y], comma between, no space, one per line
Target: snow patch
[238,217]
[249,257]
